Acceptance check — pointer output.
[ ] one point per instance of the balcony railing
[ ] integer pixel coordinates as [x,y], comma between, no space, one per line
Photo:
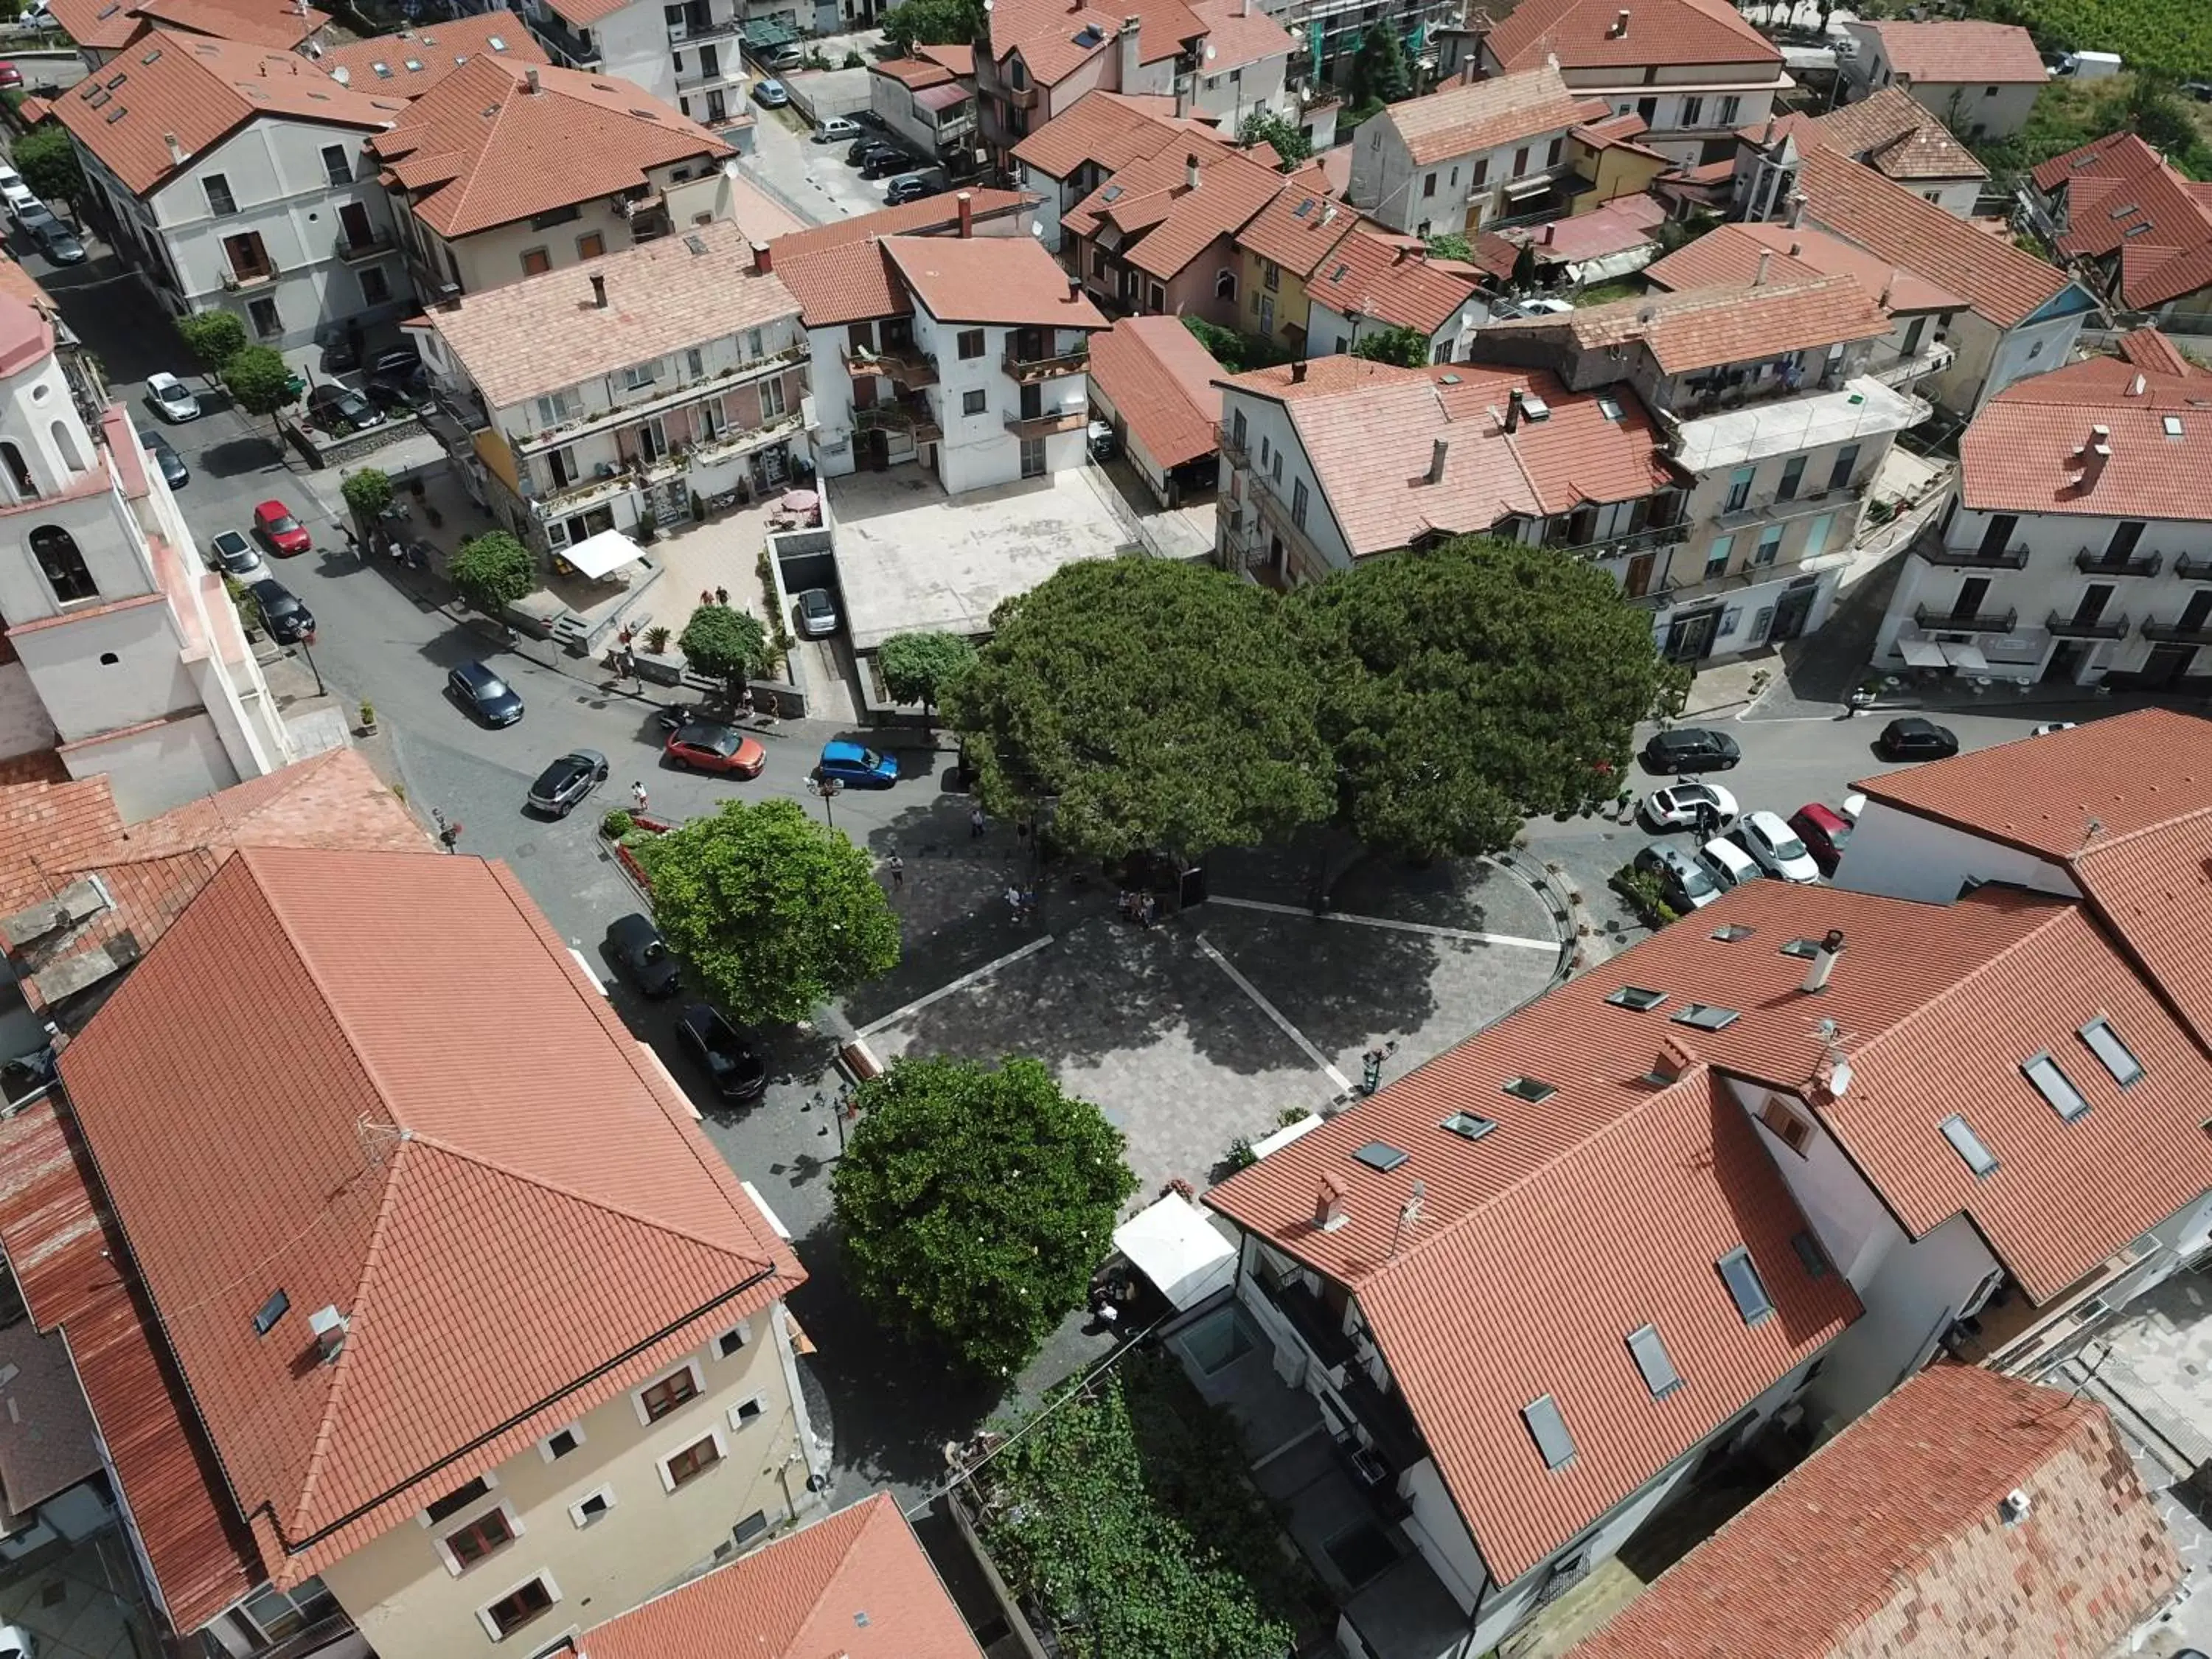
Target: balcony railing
[2077,628]
[568,46]
[1935,621]
[1046,424]
[1770,509]
[1320,1330]
[1026,369]
[1633,541]
[1231,451]
[1023,97]
[1382,1412]
[1974,558]
[373,245]
[238,281]
[684,34]
[2191,568]
[2093,563]
[901,366]
[1934,360]
[893,417]
[2174,633]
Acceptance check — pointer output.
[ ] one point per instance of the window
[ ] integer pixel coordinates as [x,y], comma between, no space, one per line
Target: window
[1769,545]
[640,376]
[276,1615]
[1739,490]
[2114,1055]
[1033,458]
[1521,161]
[1238,435]
[1532,1090]
[263,314]
[591,245]
[1552,154]
[693,1461]
[555,1446]
[375,288]
[1989,92]
[1266,453]
[591,1507]
[1467,1126]
[1792,475]
[1549,1431]
[489,1532]
[971,342]
[695,363]
[1705,1017]
[63,567]
[2171,424]
[535,262]
[2055,1086]
[1271,274]
[1275,467]
[1224,285]
[974,402]
[1379,1155]
[1716,557]
[1968,1144]
[337,166]
[517,1607]
[1847,458]
[1649,1353]
[1744,1287]
[1816,536]
[1729,106]
[560,215]
[1159,298]
[1636,997]
[1693,109]
[556,407]
[1428,184]
[1481,174]
[1792,1130]
[1810,1256]
[457,1499]
[656,1400]
[751,1528]
[756,346]
[1299,502]
[730,1341]
[219,201]
[772,401]
[745,1412]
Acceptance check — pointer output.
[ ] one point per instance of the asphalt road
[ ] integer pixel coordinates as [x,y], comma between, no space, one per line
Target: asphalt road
[813,180]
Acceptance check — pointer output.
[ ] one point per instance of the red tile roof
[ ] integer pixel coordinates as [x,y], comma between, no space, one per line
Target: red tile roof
[1297,229]
[1109,131]
[1948,53]
[913,73]
[1626,223]
[1892,1540]
[200,91]
[482,148]
[1891,133]
[839,272]
[1389,279]
[254,22]
[1008,280]
[1705,327]
[1464,119]
[2004,285]
[2023,452]
[444,1199]
[856,1584]
[1160,380]
[1238,34]
[413,61]
[1046,32]
[108,25]
[1731,254]
[1164,221]
[960,59]
[2122,196]
[1580,35]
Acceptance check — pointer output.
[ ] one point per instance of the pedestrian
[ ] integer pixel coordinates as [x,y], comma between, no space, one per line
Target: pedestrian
[1150,910]
[975,822]
[637,794]
[706,596]
[1014,899]
[721,596]
[898,873]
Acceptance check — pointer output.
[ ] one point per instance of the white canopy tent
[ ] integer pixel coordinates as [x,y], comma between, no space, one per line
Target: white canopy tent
[601,555]
[1967,658]
[1923,654]
[1172,1244]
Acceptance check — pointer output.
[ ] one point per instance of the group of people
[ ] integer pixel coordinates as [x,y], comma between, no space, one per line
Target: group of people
[1141,906]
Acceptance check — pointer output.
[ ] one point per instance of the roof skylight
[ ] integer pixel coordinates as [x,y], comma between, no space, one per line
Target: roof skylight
[1549,1431]
[2113,1054]
[1744,1287]
[1730,932]
[1638,997]
[1803,949]
[1705,1017]
[266,1315]
[2173,425]
[1532,1090]
[2054,1086]
[1968,1144]
[1379,1155]
[1608,406]
[1468,1126]
[1649,1353]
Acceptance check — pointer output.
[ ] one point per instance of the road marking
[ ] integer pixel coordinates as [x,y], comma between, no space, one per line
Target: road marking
[1282,1022]
[960,984]
[1392,925]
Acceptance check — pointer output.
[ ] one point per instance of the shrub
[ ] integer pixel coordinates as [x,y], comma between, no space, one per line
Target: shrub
[492,571]
[656,639]
[368,492]
[616,824]
[1643,893]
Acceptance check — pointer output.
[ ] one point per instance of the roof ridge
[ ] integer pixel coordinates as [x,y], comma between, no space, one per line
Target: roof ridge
[2089,849]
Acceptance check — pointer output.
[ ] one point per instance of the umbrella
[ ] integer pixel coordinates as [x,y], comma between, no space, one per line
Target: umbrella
[799,500]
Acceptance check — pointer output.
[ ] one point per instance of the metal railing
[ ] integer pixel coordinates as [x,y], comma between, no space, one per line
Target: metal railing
[2093,563]
[238,281]
[1232,451]
[901,366]
[1769,508]
[1633,541]
[2174,633]
[1972,558]
[2079,627]
[1025,369]
[1934,360]
[1933,620]
[2191,567]
[371,246]
[1045,424]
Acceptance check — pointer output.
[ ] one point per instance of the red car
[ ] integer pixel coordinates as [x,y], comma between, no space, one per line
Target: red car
[707,746]
[1824,830]
[279,531]
[10,75]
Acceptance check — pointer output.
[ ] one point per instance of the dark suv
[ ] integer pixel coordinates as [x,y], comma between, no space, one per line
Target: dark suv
[1690,748]
[636,948]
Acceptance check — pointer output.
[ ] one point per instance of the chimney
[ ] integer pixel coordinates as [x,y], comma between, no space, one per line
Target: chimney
[966,201]
[329,1326]
[1075,290]
[1796,248]
[530,78]
[1766,258]
[1127,51]
[1768,136]
[1674,1060]
[763,260]
[1548,231]
[1298,373]
[1889,288]
[1824,962]
[176,150]
[1471,70]
[2095,454]
[599,292]
[1620,29]
[1513,411]
[1190,170]
[1797,210]
[1329,1212]
[1437,451]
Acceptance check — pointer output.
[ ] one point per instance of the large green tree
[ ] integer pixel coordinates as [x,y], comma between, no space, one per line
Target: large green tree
[917,667]
[47,160]
[1466,688]
[259,380]
[1163,704]
[775,914]
[975,1202]
[1408,348]
[1288,139]
[1381,71]
[932,23]
[724,644]
[213,338]
[492,571]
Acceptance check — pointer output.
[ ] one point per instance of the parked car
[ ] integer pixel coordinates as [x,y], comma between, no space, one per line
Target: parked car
[857,768]
[338,408]
[1728,864]
[404,358]
[31,214]
[1690,748]
[484,695]
[342,355]
[59,243]
[1777,846]
[10,75]
[816,612]
[12,191]
[788,57]
[1689,806]
[15,1643]
[864,146]
[288,622]
[770,94]
[737,1071]
[1851,806]
[836,130]
[175,472]
[279,533]
[1912,737]
[566,784]
[639,954]
[2049,727]
[911,188]
[1824,830]
[391,392]
[1684,882]
[883,163]
[171,399]
[232,554]
[710,746]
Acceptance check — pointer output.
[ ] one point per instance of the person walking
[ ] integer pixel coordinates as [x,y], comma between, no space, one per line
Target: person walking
[898,873]
[637,794]
[722,596]
[976,823]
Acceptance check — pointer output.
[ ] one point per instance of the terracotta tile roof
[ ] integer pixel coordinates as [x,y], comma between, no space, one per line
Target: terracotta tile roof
[1390,280]
[1165,223]
[1369,431]
[482,148]
[960,59]
[1464,119]
[447,1202]
[39,766]
[1892,1540]
[2004,285]
[2122,196]
[109,26]
[931,215]
[47,1441]
[1579,33]
[2023,452]
[1704,327]
[200,91]
[856,1584]
[1048,33]
[1729,254]
[1947,52]
[413,61]
[1895,136]
[1238,34]
[547,331]
[1558,1219]
[912,73]
[1008,280]
[838,273]
[1298,227]
[1160,380]
[1624,223]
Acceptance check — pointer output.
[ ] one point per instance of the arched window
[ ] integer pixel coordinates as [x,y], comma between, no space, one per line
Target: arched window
[1224,285]
[19,474]
[65,446]
[55,549]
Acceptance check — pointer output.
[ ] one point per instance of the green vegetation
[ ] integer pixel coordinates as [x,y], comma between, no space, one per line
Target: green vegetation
[1452,245]
[47,160]
[975,1203]
[917,667]
[2069,114]
[724,644]
[774,914]
[616,824]
[1288,137]
[368,492]
[1235,352]
[932,23]
[1408,348]
[492,571]
[213,338]
[1641,891]
[2170,37]
[1605,293]
[259,380]
[1381,71]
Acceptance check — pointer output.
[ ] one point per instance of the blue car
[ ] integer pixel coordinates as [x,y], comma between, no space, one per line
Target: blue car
[856,767]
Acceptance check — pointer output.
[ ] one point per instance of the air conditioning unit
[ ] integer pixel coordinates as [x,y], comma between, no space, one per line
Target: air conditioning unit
[1373,1473]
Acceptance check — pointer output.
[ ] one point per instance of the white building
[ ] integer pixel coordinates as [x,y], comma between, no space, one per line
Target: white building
[236,178]
[1471,154]
[1888,132]
[928,104]
[1980,80]
[126,654]
[686,54]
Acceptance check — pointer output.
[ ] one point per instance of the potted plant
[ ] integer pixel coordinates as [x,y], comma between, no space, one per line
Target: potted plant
[368,719]
[656,639]
[648,526]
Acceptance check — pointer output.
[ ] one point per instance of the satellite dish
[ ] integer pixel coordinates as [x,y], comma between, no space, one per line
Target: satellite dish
[1840,1079]
[1209,51]
[1036,229]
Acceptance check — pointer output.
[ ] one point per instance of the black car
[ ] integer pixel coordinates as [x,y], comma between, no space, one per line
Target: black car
[405,390]
[563,786]
[883,163]
[1915,739]
[484,695]
[861,148]
[738,1072]
[173,466]
[288,621]
[402,359]
[341,409]
[641,955]
[1690,748]
[342,356]
[911,188]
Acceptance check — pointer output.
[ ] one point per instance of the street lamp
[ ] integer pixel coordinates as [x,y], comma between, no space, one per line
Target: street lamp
[829,789]
[311,669]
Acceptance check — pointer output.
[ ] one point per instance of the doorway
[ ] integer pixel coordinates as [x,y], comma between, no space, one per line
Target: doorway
[2165,664]
[1637,582]
[2065,662]
[1998,535]
[1790,611]
[1689,638]
[353,220]
[1968,605]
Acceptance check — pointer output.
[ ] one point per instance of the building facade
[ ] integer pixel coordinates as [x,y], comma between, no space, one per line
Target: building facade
[1471,154]
[1980,80]
[687,55]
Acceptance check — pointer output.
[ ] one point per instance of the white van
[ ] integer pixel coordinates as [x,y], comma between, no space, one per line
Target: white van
[1728,864]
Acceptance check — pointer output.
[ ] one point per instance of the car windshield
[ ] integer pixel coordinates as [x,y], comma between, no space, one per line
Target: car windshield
[492,686]
[171,394]
[870,759]
[1695,882]
[1786,847]
[283,523]
[1695,794]
[278,604]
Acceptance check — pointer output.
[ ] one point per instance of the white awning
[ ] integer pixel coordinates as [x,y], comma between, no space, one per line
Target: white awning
[1521,189]
[596,555]
[1172,1244]
[1968,657]
[1922,654]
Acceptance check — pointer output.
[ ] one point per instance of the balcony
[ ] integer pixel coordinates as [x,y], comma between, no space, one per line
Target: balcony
[2191,568]
[685,34]
[903,365]
[1631,542]
[1046,425]
[581,493]
[694,72]
[1231,451]
[1934,360]
[1383,1414]
[573,47]
[374,246]
[1027,369]
[1934,621]
[244,281]
[2074,627]
[1319,1329]
[1774,509]
[1974,558]
[2140,564]
[1023,97]
[2174,633]
[918,423]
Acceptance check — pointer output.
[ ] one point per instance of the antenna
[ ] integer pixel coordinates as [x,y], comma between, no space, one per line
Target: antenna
[1409,1216]
[1834,1071]
[2091,830]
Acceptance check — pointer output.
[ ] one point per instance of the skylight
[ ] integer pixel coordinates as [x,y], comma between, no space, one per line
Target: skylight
[1637,997]
[2138,230]
[153,57]
[414,63]
[2114,1055]
[1468,1126]
[499,42]
[1744,1287]
[2055,1086]
[1806,949]
[1730,933]
[1532,1090]
[1338,274]
[1379,1155]
[1549,1431]
[1651,1356]
[1968,1144]
[383,70]
[1608,407]
[2173,425]
[1705,1017]
[265,1316]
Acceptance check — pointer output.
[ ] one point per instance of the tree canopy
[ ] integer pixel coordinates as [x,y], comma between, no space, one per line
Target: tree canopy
[774,912]
[1163,704]
[1408,348]
[1451,245]
[47,161]
[1381,71]
[1466,688]
[1288,139]
[369,492]
[213,338]
[1235,352]
[975,1202]
[724,644]
[492,571]
[259,380]
[932,23]
[917,667]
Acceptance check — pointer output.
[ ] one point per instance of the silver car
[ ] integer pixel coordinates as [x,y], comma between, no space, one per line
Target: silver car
[233,554]
[816,612]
